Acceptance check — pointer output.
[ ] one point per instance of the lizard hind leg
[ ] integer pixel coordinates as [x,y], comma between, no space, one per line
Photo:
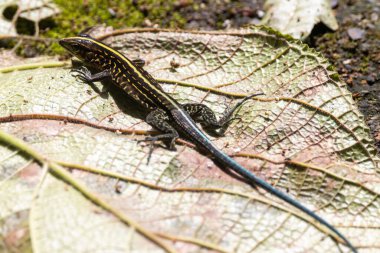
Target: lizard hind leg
[202,113]
[160,121]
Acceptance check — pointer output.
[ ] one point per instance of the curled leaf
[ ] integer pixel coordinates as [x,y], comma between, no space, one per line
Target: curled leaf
[297,18]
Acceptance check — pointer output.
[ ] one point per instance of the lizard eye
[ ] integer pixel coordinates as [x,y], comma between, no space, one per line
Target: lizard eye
[89,56]
[75,48]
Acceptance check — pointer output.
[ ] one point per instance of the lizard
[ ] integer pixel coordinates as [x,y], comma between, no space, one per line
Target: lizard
[166,114]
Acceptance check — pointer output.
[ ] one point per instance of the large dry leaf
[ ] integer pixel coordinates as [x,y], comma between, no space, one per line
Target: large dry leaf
[298,17]
[305,136]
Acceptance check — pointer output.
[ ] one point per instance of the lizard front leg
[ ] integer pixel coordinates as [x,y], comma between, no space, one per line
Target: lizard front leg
[85,75]
[159,120]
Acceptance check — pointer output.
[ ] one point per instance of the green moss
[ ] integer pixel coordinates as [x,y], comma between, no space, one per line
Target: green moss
[76,16]
[178,21]
[57,49]
[364,64]
[330,36]
[335,77]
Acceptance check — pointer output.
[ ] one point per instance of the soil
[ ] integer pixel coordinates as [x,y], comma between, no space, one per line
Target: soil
[354,49]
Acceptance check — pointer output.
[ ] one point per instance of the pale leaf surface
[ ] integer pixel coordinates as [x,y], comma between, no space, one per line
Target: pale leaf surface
[305,136]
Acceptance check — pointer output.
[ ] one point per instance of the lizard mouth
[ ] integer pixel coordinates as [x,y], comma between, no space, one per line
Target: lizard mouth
[69,45]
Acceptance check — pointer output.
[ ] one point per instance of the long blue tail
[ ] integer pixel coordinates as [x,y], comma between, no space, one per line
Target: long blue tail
[233,165]
[191,129]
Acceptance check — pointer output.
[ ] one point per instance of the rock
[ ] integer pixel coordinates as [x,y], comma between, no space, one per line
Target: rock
[255,21]
[374,17]
[147,23]
[370,79]
[348,61]
[227,24]
[334,3]
[260,13]
[356,17]
[365,47]
[112,12]
[355,33]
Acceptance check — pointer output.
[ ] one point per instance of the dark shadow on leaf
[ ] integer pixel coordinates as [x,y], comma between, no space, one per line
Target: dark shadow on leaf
[124,102]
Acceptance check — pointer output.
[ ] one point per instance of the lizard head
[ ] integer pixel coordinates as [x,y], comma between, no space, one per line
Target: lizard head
[84,48]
